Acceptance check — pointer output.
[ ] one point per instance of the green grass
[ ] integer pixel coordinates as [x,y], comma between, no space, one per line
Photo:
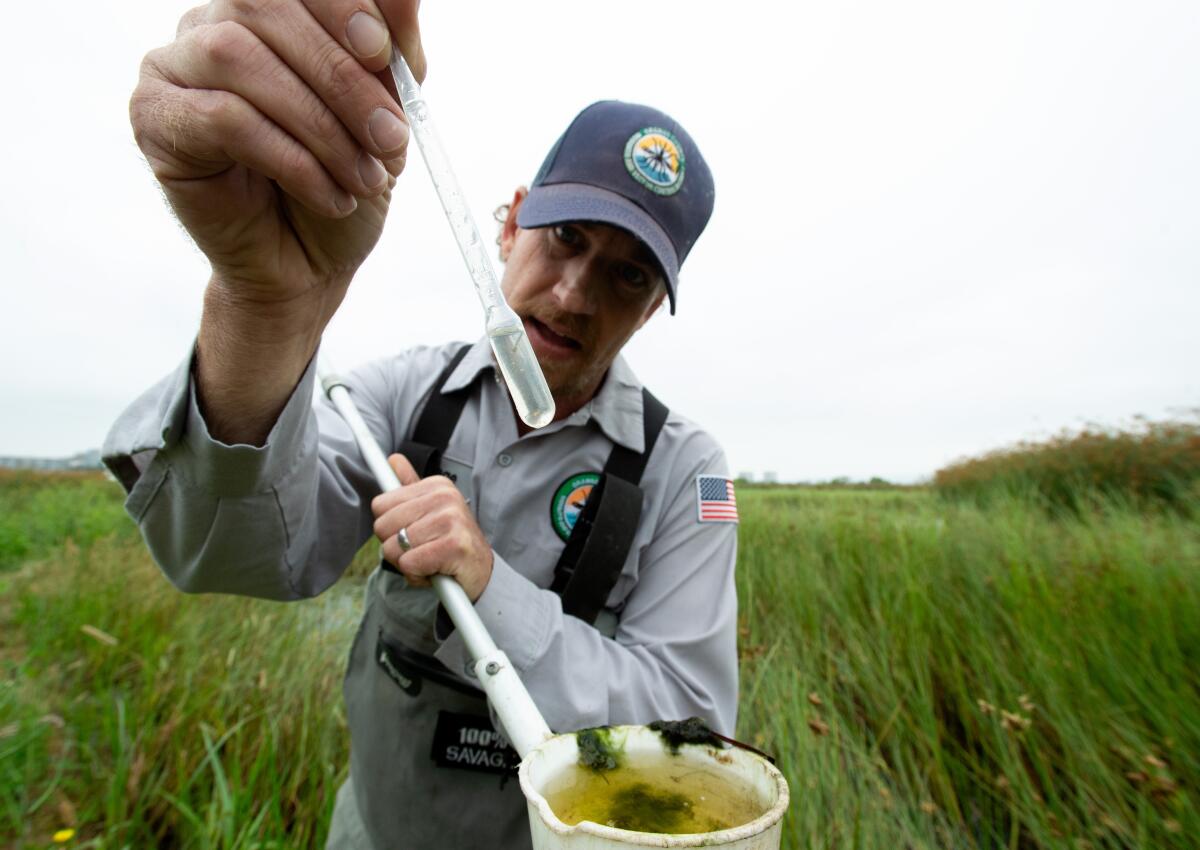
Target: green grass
[1151,466]
[39,510]
[928,673]
[169,720]
[986,676]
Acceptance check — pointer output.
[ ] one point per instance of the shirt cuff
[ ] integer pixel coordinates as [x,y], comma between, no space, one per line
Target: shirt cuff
[239,469]
[518,614]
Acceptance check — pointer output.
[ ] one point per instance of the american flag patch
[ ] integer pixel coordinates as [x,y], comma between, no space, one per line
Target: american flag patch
[715,499]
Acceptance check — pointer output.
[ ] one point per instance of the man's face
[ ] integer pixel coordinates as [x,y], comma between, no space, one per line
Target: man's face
[582,289]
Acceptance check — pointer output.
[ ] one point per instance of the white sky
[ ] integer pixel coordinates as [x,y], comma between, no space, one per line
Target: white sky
[940,226]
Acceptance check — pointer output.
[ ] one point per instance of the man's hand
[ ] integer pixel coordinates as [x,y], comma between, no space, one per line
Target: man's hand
[274,137]
[445,538]
[273,128]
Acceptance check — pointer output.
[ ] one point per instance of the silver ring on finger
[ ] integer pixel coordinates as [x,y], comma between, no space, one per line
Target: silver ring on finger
[402,539]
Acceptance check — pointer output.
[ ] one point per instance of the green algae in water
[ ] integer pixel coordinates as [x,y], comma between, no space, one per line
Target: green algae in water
[644,809]
[665,798]
[676,733]
[597,751]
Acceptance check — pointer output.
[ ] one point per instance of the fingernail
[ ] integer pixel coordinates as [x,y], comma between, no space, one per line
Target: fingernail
[387,131]
[394,166]
[366,35]
[345,202]
[371,171]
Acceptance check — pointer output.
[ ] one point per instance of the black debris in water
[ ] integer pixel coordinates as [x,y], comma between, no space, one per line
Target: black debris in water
[596,749]
[676,733]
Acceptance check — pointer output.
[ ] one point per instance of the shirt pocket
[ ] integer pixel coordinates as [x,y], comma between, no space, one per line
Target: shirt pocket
[534,553]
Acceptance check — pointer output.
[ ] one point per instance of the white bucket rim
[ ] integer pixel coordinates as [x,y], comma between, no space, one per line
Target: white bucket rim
[759,825]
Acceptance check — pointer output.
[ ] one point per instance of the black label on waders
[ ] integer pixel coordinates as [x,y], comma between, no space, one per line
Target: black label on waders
[470,742]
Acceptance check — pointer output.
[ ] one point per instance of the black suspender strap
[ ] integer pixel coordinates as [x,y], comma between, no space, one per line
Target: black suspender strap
[591,562]
[437,422]
[595,553]
[628,464]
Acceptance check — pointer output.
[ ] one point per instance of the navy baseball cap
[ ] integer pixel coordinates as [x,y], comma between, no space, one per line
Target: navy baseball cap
[630,166]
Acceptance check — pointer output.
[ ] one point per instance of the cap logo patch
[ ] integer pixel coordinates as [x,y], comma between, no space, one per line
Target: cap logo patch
[568,501]
[655,159]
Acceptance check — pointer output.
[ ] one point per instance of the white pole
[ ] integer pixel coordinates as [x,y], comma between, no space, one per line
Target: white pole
[522,721]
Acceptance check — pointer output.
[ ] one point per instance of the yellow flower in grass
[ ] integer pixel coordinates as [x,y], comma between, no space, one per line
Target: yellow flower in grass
[63,836]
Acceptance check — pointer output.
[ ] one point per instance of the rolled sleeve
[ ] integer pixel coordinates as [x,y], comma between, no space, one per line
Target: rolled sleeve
[166,421]
[153,421]
[220,518]
[236,470]
[280,521]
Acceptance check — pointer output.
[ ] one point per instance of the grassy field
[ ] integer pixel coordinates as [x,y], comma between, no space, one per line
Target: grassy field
[1150,466]
[929,673]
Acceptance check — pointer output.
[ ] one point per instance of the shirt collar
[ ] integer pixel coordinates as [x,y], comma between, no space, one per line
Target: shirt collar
[617,409]
[476,360]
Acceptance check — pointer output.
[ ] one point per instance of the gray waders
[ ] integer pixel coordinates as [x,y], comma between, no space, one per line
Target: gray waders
[427,768]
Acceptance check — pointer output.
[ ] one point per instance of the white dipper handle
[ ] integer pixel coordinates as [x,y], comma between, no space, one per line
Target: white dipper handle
[522,721]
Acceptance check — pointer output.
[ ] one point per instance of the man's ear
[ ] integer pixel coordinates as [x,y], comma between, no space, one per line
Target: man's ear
[508,231]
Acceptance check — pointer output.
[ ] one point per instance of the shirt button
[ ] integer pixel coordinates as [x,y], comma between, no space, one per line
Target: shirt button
[504,459]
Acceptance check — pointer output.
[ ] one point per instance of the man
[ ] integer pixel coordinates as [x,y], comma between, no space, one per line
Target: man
[599,551]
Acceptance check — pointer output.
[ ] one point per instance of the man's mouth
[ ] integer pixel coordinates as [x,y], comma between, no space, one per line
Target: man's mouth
[544,337]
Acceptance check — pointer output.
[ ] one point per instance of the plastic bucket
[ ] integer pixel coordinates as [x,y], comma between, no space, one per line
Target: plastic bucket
[546,768]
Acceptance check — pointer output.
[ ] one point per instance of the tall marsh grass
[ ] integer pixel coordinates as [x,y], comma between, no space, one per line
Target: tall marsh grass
[39,510]
[944,675]
[1156,464]
[145,718]
[928,674]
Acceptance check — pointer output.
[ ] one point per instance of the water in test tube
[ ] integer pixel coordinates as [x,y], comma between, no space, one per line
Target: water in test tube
[518,364]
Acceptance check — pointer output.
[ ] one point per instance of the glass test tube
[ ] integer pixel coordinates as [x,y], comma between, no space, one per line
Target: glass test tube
[518,364]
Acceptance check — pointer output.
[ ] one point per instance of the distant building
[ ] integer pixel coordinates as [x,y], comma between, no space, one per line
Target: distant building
[770,477]
[746,476]
[84,460]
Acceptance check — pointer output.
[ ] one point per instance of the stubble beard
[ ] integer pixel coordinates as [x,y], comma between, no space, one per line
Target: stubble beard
[568,382]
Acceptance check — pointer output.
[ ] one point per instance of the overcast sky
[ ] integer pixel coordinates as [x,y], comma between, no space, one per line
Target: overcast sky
[940,226]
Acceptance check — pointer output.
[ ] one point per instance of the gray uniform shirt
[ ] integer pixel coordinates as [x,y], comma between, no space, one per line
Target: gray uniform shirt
[283,521]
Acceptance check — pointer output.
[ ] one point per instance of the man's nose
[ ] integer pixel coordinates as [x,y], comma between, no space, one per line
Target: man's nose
[575,290]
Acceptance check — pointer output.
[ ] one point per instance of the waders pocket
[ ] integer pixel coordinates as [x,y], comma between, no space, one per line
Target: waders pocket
[462,739]
[395,700]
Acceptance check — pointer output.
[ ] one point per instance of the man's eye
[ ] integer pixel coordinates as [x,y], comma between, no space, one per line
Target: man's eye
[632,276]
[566,234]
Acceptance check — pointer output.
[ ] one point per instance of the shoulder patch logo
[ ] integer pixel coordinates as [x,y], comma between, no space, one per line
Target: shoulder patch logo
[655,159]
[568,501]
[715,499]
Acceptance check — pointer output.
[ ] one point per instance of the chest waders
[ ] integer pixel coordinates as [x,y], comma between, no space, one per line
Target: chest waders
[428,768]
